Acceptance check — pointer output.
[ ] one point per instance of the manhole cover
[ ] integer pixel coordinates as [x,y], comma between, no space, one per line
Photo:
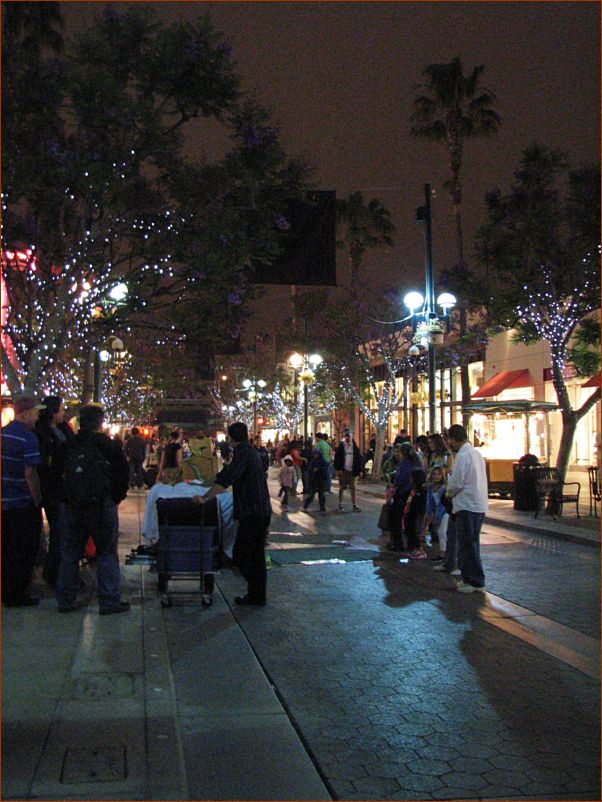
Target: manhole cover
[99,686]
[94,764]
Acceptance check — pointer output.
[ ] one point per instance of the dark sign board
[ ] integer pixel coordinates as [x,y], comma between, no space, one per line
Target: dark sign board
[309,255]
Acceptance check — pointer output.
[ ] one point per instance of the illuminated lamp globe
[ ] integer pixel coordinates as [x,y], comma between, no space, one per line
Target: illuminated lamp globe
[118,293]
[315,359]
[104,356]
[446,301]
[296,360]
[247,383]
[413,350]
[413,300]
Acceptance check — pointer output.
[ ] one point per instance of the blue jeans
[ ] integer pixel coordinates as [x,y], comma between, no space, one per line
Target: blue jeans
[103,525]
[468,529]
[329,475]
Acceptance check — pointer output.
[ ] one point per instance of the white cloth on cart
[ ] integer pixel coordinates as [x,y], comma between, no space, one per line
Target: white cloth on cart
[150,524]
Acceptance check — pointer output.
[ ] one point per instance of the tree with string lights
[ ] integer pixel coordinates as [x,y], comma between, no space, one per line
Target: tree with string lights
[97,192]
[365,357]
[541,248]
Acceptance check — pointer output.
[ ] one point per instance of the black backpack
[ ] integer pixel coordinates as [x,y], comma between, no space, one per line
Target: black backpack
[87,474]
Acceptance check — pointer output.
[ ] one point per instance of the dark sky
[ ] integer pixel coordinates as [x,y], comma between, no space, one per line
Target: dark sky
[340,79]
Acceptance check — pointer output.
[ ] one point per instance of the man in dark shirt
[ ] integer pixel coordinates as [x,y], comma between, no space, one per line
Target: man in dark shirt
[135,451]
[100,519]
[252,509]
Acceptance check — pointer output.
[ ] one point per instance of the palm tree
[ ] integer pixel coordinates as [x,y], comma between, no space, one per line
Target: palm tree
[453,108]
[365,226]
[32,27]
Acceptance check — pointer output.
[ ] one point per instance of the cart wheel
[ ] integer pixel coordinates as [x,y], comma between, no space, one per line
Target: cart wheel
[206,599]
[165,600]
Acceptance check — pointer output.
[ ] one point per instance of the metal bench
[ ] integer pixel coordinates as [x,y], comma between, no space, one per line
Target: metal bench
[594,489]
[554,492]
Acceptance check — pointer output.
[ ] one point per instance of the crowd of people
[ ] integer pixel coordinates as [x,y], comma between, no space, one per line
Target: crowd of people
[436,492]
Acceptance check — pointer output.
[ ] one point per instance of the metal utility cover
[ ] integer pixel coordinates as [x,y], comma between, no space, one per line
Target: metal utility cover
[94,764]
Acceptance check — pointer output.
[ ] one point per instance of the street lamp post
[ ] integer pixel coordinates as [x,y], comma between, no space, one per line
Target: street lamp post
[429,331]
[116,353]
[308,362]
[251,387]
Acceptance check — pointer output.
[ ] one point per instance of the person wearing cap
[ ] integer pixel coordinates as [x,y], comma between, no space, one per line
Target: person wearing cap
[21,503]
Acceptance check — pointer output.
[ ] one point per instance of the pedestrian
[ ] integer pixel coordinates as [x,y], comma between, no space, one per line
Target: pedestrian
[286,478]
[467,486]
[439,455]
[325,449]
[348,465]
[402,484]
[421,448]
[298,461]
[52,430]
[170,469]
[387,473]
[252,510]
[316,480]
[402,437]
[413,515]
[95,477]
[135,451]
[437,512]
[21,502]
[264,454]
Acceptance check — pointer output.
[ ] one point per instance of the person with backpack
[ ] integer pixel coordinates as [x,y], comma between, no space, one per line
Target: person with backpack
[94,476]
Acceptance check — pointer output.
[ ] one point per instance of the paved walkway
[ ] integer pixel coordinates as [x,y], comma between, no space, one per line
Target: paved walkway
[365,677]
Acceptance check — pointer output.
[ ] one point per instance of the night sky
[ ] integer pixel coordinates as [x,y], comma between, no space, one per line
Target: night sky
[340,79]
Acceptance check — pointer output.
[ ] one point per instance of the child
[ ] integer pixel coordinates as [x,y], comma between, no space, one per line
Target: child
[413,515]
[287,477]
[436,511]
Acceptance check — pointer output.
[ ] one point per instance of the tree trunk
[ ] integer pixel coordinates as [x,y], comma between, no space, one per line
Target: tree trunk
[464,375]
[378,451]
[88,377]
[569,426]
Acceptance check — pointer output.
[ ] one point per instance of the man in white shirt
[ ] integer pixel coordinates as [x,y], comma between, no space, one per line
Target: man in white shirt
[467,487]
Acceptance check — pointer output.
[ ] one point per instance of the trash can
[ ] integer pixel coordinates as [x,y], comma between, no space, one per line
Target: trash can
[525,487]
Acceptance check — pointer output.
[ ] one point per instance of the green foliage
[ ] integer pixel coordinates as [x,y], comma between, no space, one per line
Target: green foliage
[95,178]
[584,352]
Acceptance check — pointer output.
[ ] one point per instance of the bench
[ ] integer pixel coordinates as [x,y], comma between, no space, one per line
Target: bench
[594,489]
[554,492]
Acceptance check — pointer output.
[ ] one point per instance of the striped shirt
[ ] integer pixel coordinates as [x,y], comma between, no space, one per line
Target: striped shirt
[247,476]
[20,447]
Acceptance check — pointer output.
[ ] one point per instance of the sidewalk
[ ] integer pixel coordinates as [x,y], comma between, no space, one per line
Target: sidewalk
[584,530]
[89,706]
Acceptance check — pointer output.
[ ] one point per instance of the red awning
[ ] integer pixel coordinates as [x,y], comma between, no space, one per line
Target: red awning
[503,381]
[594,381]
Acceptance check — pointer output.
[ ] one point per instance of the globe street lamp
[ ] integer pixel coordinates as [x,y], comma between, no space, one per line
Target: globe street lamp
[429,326]
[305,364]
[115,355]
[252,394]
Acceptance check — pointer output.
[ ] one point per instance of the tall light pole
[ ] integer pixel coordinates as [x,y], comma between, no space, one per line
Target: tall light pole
[308,362]
[429,331]
[251,387]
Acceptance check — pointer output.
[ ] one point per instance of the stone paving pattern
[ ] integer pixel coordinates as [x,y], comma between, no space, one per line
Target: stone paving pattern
[403,693]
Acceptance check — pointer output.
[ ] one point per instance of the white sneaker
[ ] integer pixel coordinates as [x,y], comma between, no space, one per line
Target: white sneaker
[440,568]
[456,572]
[463,587]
